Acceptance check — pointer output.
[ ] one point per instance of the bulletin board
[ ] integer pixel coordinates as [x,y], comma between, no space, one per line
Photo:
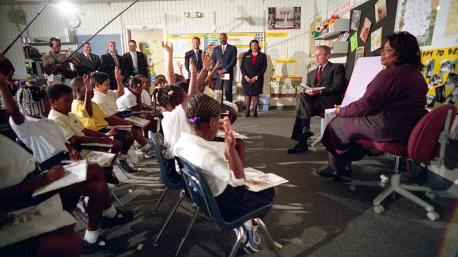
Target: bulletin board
[208,41]
[375,35]
[99,42]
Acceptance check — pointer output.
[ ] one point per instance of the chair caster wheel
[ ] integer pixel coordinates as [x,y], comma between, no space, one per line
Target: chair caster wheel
[378,209]
[432,215]
[431,195]
[352,188]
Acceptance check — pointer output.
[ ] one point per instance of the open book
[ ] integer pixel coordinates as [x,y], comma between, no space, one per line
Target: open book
[140,122]
[256,180]
[97,145]
[75,172]
[311,88]
[32,221]
[101,158]
[121,127]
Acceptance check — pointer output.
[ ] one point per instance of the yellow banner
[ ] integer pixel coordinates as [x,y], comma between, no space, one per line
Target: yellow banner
[441,74]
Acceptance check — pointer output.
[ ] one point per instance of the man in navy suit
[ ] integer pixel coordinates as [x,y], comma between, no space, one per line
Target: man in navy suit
[109,61]
[195,54]
[227,54]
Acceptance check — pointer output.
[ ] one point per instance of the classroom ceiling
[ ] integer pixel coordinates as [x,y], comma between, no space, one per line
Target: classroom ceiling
[16,2]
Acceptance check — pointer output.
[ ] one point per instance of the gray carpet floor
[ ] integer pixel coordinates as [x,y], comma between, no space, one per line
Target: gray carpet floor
[311,215]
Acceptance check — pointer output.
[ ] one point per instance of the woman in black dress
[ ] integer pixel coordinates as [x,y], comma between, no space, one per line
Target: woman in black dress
[253,66]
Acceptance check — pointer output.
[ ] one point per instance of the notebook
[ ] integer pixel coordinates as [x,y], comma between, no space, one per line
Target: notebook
[97,145]
[256,180]
[140,122]
[101,158]
[121,127]
[75,172]
[32,221]
[312,88]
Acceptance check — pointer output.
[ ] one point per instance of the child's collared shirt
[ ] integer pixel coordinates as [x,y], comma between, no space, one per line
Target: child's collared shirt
[173,124]
[210,157]
[96,122]
[127,101]
[42,136]
[146,98]
[69,124]
[107,102]
[16,163]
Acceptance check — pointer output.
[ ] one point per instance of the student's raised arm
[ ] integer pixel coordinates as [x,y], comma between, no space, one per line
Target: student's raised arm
[88,95]
[206,66]
[11,106]
[118,77]
[235,162]
[170,71]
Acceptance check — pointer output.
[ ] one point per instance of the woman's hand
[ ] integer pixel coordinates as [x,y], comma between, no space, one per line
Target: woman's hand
[337,109]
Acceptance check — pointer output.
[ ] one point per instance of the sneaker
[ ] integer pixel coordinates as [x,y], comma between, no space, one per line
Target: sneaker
[124,166]
[253,243]
[149,153]
[122,217]
[100,244]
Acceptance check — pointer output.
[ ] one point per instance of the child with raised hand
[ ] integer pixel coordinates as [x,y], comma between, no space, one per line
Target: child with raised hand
[106,100]
[221,164]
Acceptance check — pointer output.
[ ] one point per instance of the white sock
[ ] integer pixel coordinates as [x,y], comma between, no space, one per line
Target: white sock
[91,236]
[248,224]
[110,212]
[145,148]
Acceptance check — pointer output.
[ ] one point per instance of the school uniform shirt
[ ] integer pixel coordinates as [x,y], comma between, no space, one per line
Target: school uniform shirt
[69,124]
[96,122]
[126,102]
[42,136]
[146,98]
[210,158]
[173,123]
[107,102]
[16,163]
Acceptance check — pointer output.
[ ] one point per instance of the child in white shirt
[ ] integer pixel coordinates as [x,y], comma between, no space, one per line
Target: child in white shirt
[220,163]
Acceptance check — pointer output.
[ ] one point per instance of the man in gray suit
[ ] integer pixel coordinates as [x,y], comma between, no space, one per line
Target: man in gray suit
[325,86]
[227,54]
[90,61]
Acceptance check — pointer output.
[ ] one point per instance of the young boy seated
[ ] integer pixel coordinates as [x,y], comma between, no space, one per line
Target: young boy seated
[106,100]
[221,164]
[93,118]
[61,98]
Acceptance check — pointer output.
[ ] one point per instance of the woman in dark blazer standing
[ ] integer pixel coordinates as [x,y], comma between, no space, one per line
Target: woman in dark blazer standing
[253,66]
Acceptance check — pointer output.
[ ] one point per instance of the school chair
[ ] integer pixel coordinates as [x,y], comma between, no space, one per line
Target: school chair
[424,141]
[205,203]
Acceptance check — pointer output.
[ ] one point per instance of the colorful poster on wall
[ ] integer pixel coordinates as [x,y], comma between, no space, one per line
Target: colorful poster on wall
[380,10]
[376,39]
[365,29]
[355,20]
[417,17]
[354,41]
[284,18]
[441,73]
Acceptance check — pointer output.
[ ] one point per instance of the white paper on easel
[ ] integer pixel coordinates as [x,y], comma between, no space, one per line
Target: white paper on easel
[29,222]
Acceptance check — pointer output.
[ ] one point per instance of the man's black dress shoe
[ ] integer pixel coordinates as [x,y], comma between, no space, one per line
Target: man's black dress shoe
[328,172]
[298,148]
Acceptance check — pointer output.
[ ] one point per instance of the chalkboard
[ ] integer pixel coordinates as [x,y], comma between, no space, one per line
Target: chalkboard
[99,42]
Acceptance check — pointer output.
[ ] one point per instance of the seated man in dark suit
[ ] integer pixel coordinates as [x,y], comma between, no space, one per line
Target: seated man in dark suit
[195,54]
[227,55]
[134,62]
[90,61]
[110,60]
[324,90]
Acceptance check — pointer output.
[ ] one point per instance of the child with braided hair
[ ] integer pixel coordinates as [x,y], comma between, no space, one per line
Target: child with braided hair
[221,164]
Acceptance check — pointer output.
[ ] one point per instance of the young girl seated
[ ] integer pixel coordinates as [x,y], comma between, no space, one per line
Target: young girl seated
[220,163]
[146,97]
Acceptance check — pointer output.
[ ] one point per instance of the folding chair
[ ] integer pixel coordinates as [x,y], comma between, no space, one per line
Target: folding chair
[205,202]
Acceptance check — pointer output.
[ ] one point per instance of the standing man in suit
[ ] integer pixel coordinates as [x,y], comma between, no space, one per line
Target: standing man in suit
[227,54]
[195,54]
[90,61]
[110,60]
[134,62]
[325,86]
